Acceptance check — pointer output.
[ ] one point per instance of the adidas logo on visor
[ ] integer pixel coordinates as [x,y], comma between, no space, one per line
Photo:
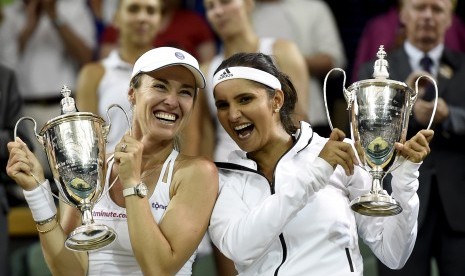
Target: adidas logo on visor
[226,74]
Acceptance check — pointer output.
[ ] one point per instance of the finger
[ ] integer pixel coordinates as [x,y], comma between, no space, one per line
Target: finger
[428,134]
[345,160]
[337,135]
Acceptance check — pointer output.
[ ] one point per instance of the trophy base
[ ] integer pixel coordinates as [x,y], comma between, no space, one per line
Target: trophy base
[90,237]
[376,205]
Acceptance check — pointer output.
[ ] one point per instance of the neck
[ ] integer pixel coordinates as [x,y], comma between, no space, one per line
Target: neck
[130,53]
[155,156]
[426,46]
[268,156]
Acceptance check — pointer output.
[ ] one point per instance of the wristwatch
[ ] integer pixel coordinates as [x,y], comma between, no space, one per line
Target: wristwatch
[140,190]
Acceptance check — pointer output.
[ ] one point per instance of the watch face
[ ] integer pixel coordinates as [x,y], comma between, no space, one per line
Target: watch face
[142,190]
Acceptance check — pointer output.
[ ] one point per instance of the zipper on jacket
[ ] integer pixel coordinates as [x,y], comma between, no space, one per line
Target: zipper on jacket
[233,166]
[349,259]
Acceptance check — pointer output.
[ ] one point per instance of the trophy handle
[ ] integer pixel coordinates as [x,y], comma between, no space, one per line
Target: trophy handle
[435,100]
[40,139]
[15,133]
[398,163]
[108,127]
[343,89]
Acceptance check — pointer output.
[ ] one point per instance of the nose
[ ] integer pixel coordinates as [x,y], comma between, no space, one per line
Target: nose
[171,100]
[143,15]
[428,12]
[234,114]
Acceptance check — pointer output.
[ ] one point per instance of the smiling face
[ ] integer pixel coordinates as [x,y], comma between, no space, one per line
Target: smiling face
[247,114]
[138,21]
[228,17]
[426,21]
[162,101]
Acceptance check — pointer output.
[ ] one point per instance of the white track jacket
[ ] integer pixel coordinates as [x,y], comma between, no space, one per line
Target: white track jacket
[301,223]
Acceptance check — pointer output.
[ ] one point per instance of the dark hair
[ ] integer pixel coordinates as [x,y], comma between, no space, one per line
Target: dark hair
[265,63]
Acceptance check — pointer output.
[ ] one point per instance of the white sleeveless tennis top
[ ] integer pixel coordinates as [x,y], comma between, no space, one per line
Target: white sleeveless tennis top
[118,257]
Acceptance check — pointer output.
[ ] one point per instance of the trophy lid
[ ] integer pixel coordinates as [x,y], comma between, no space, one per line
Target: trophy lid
[380,75]
[380,69]
[69,112]
[67,103]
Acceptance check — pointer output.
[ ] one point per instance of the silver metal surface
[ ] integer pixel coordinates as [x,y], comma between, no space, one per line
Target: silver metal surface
[379,111]
[75,147]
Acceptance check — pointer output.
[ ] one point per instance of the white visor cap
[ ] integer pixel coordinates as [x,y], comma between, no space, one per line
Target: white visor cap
[162,57]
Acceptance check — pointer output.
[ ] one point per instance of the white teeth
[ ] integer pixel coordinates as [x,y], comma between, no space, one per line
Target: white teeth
[239,127]
[165,116]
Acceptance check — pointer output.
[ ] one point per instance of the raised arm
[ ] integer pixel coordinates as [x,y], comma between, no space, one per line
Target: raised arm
[162,249]
[22,164]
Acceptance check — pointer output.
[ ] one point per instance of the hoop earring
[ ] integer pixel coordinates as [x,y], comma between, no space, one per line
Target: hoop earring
[276,110]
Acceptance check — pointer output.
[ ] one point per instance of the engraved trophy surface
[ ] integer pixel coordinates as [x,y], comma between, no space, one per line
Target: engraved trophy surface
[379,111]
[75,147]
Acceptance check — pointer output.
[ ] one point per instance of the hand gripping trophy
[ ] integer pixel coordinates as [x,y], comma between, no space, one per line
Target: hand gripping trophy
[379,111]
[75,147]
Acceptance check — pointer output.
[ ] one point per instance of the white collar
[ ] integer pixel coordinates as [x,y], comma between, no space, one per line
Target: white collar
[415,56]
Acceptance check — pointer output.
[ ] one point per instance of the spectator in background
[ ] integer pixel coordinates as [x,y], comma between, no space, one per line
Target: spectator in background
[46,42]
[441,219]
[180,27]
[386,29]
[311,26]
[232,22]
[10,111]
[106,82]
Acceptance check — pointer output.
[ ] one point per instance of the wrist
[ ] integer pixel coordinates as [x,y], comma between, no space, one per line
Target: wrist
[41,202]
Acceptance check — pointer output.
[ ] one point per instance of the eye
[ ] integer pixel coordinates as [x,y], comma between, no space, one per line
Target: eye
[152,10]
[221,105]
[187,92]
[133,8]
[159,86]
[245,99]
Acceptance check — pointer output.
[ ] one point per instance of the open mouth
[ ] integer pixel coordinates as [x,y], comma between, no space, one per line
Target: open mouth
[244,130]
[166,118]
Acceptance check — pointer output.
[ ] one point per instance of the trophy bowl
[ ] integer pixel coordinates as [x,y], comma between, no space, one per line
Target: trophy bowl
[74,143]
[75,147]
[379,111]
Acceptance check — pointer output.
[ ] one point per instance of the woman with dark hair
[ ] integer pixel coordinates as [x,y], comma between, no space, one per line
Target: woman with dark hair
[283,207]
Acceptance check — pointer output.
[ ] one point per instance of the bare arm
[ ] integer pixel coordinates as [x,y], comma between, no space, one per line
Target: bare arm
[87,87]
[319,64]
[75,46]
[292,63]
[162,249]
[61,261]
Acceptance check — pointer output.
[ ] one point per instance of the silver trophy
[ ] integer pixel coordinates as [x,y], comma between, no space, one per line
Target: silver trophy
[75,147]
[379,111]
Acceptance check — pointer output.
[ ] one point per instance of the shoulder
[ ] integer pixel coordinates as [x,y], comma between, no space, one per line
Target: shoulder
[285,50]
[92,71]
[196,167]
[281,45]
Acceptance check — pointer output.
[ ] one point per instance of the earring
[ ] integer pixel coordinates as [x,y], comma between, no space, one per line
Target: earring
[276,110]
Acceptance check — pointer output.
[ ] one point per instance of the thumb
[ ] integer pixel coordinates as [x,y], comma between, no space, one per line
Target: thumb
[337,135]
